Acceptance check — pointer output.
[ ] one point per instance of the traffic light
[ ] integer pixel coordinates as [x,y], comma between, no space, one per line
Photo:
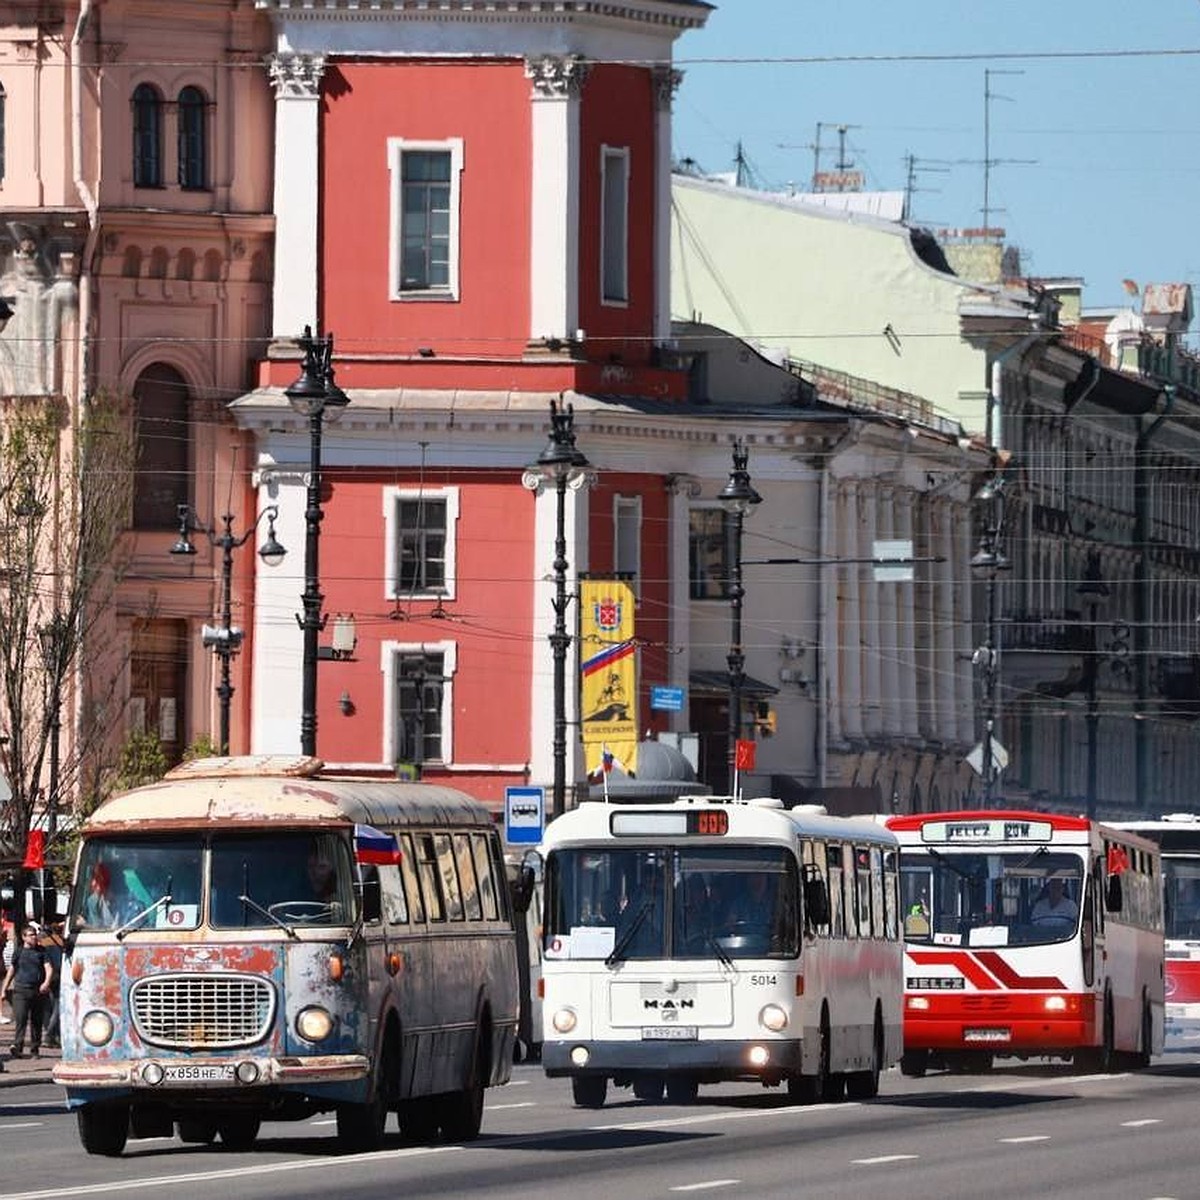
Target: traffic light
[764,719]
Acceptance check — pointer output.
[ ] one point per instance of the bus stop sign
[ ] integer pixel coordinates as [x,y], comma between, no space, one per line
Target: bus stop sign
[524,815]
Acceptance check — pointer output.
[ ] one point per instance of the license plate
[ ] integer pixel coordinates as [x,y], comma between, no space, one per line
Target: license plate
[987,1035]
[669,1033]
[197,1072]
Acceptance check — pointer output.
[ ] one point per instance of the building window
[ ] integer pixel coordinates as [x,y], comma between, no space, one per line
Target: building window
[425,182]
[163,440]
[158,683]
[614,225]
[709,555]
[420,537]
[627,539]
[193,139]
[147,136]
[419,705]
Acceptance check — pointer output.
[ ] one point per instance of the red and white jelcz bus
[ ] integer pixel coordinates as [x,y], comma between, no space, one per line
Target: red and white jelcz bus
[1029,934]
[1178,837]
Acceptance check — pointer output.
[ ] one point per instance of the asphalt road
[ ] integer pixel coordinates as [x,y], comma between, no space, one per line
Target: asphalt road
[1034,1130]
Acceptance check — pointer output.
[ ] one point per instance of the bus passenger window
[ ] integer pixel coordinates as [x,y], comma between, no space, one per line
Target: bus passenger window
[483,872]
[408,877]
[466,876]
[430,886]
[449,877]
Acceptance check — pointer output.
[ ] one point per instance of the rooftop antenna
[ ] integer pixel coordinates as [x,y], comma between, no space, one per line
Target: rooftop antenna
[913,164]
[988,161]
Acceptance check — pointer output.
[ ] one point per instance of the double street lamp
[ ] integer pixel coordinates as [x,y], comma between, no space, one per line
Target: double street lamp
[54,638]
[315,396]
[225,640]
[564,465]
[737,498]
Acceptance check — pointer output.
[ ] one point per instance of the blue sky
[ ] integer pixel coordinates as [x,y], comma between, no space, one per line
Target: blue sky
[1113,191]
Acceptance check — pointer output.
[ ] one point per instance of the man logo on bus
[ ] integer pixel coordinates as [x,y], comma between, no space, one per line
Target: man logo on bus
[608,614]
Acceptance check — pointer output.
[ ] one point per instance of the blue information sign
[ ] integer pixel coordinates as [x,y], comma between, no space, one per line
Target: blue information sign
[667,699]
[524,815]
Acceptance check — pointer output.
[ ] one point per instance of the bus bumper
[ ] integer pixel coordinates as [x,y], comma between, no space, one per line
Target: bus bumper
[1023,1026]
[727,1060]
[151,1075]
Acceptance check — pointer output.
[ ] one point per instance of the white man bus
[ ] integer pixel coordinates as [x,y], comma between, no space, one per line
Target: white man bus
[1028,935]
[257,939]
[1178,837]
[705,940]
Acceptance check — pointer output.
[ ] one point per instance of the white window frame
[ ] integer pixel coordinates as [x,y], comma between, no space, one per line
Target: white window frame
[390,655]
[612,221]
[628,508]
[396,149]
[391,520]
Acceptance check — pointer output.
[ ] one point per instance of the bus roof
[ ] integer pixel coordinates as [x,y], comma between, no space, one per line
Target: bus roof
[1059,821]
[270,790]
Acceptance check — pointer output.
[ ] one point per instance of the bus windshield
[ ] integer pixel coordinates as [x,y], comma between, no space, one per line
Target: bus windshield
[1181,896]
[723,902]
[981,899]
[253,881]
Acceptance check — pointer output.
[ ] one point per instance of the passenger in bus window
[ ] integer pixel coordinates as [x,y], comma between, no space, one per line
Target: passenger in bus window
[1054,904]
[99,911]
[322,878]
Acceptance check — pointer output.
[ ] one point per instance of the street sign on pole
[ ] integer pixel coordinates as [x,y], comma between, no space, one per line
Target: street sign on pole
[999,758]
[524,815]
[666,699]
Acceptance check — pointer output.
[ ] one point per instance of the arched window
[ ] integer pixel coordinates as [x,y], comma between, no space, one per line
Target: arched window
[193,141]
[163,438]
[147,136]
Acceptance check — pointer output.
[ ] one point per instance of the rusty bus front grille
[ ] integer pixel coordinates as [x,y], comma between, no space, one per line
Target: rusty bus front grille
[188,1011]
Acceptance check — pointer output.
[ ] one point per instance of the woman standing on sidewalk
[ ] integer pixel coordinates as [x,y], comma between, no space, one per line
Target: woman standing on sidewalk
[26,983]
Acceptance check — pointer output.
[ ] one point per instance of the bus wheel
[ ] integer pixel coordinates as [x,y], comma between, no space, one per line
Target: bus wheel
[197,1131]
[360,1126]
[589,1091]
[419,1121]
[682,1090]
[914,1063]
[104,1128]
[239,1133]
[461,1113]
[864,1085]
[649,1088]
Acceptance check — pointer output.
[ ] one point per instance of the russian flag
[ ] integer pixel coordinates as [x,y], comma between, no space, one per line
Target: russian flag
[606,761]
[374,847]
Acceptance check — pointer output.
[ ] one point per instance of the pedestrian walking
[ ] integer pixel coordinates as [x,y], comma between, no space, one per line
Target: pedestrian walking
[27,984]
[52,943]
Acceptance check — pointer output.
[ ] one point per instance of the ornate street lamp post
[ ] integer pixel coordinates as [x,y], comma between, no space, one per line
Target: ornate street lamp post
[53,638]
[225,640]
[1093,591]
[564,465]
[315,396]
[737,497]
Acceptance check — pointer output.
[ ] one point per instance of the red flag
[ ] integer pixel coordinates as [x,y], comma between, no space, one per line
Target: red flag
[743,755]
[35,850]
[1118,860]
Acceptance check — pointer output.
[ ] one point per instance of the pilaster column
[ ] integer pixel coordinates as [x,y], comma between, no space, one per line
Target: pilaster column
[944,726]
[963,627]
[872,677]
[888,593]
[906,639]
[297,82]
[666,84]
[849,627]
[557,84]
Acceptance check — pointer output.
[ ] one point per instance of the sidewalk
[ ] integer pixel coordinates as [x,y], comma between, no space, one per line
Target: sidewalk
[18,1071]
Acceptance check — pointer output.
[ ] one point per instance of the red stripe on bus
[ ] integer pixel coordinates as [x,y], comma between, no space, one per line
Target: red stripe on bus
[1009,977]
[959,959]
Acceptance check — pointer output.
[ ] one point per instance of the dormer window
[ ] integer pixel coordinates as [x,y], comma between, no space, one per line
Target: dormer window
[147,136]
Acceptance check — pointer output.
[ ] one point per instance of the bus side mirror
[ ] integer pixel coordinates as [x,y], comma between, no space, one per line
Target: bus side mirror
[522,888]
[1113,894]
[372,895]
[816,902]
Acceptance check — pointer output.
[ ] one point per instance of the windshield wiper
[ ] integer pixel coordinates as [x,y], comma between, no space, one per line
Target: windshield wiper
[250,902]
[138,918]
[618,951]
[721,953]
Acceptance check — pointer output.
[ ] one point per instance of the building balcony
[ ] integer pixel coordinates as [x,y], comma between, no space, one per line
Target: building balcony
[1178,680]
[1044,651]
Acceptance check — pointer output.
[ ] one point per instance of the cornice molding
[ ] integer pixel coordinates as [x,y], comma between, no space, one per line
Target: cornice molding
[296,76]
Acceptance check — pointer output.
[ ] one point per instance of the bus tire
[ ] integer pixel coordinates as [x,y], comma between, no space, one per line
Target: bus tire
[589,1091]
[419,1121]
[864,1085]
[914,1063]
[461,1113]
[104,1128]
[240,1132]
[1100,1059]
[360,1127]
[818,1088]
[682,1090]
[649,1088]
[1140,1059]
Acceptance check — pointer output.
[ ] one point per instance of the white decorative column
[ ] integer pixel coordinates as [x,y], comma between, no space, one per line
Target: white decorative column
[666,84]
[889,599]
[872,679]
[943,633]
[554,241]
[297,82]
[906,632]
[848,639]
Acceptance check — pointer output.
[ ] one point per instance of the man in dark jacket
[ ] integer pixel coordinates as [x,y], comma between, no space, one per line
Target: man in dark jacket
[27,983]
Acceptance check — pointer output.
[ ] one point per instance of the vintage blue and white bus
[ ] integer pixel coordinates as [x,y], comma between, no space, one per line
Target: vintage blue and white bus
[260,938]
[710,939]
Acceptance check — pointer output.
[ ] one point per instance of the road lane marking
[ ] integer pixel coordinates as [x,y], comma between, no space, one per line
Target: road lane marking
[1021,1141]
[1139,1124]
[323,1121]
[23,1125]
[747,1114]
[519,1104]
[1025,1085]
[710,1183]
[883,1158]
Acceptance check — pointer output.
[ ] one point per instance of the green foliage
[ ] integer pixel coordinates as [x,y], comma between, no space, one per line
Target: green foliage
[202,747]
[142,760]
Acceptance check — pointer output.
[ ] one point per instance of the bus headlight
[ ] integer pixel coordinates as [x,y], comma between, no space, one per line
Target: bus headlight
[314,1024]
[773,1018]
[97,1028]
[564,1020]
[918,1002]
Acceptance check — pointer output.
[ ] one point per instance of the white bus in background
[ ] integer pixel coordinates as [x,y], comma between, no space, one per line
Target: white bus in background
[707,939]
[1178,838]
[258,938]
[1028,934]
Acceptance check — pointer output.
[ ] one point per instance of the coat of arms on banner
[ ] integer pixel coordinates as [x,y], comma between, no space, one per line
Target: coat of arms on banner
[607,614]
